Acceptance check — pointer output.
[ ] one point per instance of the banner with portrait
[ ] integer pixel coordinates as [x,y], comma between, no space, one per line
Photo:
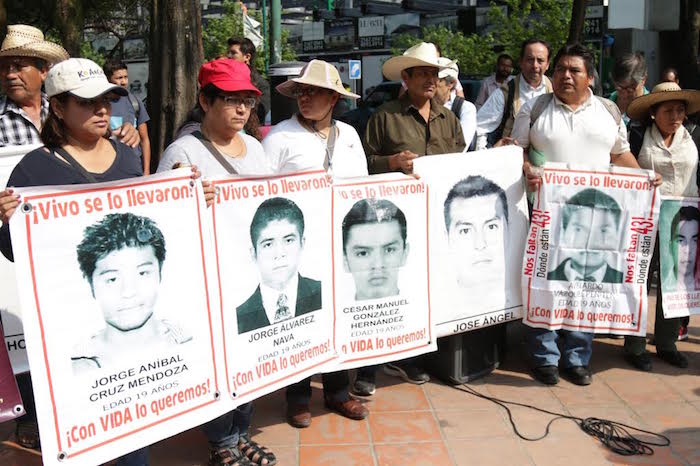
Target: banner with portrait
[679,222]
[380,251]
[10,312]
[113,280]
[272,238]
[478,222]
[589,249]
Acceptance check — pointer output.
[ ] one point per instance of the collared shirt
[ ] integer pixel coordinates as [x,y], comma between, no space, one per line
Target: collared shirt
[490,114]
[574,275]
[488,85]
[16,128]
[467,119]
[585,136]
[398,126]
[270,297]
[677,164]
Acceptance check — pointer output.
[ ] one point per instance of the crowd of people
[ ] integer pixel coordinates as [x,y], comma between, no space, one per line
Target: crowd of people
[91,130]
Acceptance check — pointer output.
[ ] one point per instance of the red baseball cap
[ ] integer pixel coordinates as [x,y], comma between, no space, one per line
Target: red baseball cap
[227,75]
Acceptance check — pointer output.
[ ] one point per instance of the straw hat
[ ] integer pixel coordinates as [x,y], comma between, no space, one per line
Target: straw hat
[316,73]
[423,54]
[639,108]
[451,68]
[27,41]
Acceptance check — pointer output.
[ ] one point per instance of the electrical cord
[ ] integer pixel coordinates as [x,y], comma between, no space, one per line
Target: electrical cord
[614,435]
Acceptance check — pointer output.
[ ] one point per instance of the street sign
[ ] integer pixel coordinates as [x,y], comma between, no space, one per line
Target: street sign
[355,69]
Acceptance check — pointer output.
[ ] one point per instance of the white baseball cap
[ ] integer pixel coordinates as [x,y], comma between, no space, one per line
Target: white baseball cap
[81,77]
[451,68]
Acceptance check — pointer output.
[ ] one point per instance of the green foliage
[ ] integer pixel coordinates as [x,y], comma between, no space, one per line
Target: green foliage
[86,51]
[476,54]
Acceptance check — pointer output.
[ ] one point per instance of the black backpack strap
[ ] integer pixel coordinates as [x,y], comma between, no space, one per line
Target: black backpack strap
[509,94]
[221,158]
[457,105]
[75,164]
[538,107]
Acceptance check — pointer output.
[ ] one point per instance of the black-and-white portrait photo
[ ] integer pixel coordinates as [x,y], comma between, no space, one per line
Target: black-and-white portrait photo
[679,228]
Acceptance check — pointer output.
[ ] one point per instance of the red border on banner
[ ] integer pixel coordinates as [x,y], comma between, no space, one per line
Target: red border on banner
[529,284]
[40,319]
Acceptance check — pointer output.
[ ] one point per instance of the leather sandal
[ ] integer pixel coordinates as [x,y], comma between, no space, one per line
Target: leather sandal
[255,452]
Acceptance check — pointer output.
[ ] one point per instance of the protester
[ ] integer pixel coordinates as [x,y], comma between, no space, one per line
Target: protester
[598,138]
[670,75]
[668,149]
[415,124]
[226,98]
[629,76]
[129,109]
[463,109]
[242,49]
[25,59]
[312,140]
[495,118]
[501,76]
[458,89]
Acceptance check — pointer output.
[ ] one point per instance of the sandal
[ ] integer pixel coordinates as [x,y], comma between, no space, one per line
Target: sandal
[255,452]
[27,434]
[228,456]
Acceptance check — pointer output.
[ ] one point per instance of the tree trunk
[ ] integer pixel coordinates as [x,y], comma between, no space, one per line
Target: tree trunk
[578,14]
[680,48]
[175,54]
[70,20]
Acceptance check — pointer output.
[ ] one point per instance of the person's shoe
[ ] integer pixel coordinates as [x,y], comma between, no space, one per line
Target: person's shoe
[228,456]
[256,453]
[683,333]
[548,375]
[579,375]
[408,372]
[363,387]
[352,409]
[640,361]
[298,415]
[674,358]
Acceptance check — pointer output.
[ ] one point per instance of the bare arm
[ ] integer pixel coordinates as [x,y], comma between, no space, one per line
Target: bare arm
[145,148]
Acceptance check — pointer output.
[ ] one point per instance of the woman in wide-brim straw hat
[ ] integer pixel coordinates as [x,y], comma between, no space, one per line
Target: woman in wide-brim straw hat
[666,147]
[27,41]
[312,139]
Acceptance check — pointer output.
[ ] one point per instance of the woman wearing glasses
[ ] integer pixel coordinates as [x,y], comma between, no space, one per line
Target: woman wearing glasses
[312,139]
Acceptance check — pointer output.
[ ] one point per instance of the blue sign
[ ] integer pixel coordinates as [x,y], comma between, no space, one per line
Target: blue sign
[355,69]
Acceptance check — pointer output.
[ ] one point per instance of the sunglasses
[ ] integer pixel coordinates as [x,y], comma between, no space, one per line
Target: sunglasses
[235,101]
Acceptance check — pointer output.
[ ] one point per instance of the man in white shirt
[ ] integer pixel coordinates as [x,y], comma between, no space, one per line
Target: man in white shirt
[504,68]
[463,109]
[497,115]
[576,127]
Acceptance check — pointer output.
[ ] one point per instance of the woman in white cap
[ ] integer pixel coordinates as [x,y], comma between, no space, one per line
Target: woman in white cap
[77,151]
[667,148]
[312,139]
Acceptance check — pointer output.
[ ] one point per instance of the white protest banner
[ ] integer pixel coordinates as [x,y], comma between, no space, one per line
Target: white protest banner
[273,241]
[478,221]
[380,251]
[679,221]
[113,279]
[589,249]
[10,312]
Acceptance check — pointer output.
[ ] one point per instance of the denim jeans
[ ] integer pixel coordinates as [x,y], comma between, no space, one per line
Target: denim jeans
[225,430]
[544,351]
[335,388]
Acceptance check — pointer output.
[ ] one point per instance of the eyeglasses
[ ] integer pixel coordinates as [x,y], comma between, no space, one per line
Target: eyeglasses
[97,102]
[235,101]
[14,66]
[309,91]
[630,88]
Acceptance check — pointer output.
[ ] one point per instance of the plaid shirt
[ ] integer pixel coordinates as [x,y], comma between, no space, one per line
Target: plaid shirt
[16,128]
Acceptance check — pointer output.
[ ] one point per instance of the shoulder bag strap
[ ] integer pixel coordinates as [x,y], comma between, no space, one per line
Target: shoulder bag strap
[330,146]
[221,158]
[76,166]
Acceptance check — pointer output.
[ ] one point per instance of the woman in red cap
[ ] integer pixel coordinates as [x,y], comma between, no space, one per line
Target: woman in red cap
[226,98]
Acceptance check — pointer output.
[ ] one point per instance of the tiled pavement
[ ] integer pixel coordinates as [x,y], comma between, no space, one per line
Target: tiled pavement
[435,424]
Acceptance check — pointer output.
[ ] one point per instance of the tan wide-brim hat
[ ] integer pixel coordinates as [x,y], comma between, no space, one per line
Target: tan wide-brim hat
[451,68]
[639,108]
[27,41]
[316,73]
[423,54]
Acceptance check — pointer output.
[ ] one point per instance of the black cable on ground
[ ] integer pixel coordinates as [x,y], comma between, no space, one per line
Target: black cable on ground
[614,435]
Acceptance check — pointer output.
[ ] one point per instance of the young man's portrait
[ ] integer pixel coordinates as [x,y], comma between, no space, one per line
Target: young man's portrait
[590,231]
[683,247]
[374,247]
[121,257]
[476,220]
[277,238]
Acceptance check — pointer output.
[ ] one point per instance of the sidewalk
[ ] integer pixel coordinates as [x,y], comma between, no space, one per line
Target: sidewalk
[435,424]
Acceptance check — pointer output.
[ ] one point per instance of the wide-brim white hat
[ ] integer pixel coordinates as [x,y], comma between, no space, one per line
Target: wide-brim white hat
[27,41]
[639,108]
[316,73]
[423,54]
[81,77]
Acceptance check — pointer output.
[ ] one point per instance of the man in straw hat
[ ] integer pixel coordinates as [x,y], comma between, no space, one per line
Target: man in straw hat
[25,59]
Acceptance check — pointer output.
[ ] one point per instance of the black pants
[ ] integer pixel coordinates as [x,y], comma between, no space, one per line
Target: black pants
[335,388]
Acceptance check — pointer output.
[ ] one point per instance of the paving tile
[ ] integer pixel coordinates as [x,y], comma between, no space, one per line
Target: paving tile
[619,413]
[402,397]
[686,444]
[286,456]
[663,456]
[488,451]
[597,393]
[404,427]
[470,424]
[527,391]
[190,448]
[444,397]
[639,388]
[685,383]
[332,428]
[554,451]
[336,455]
[533,424]
[270,429]
[418,454]
[669,416]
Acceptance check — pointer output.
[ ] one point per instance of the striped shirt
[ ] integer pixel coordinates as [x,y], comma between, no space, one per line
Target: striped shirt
[16,128]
